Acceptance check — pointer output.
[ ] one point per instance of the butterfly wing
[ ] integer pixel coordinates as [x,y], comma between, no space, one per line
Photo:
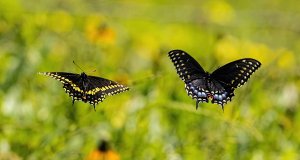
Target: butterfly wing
[191,72]
[230,76]
[63,77]
[186,66]
[72,83]
[236,73]
[219,94]
[105,86]
[197,89]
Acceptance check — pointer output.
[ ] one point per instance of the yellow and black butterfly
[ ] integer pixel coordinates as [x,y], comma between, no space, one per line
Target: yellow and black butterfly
[218,85]
[86,88]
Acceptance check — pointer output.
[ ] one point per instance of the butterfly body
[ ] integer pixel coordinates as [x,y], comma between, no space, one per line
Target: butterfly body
[217,86]
[89,89]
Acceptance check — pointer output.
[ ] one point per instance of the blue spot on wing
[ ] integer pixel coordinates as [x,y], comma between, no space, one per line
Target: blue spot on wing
[196,92]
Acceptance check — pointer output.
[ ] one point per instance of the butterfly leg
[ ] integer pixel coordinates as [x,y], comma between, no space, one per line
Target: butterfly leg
[197,104]
[94,108]
[223,108]
[73,100]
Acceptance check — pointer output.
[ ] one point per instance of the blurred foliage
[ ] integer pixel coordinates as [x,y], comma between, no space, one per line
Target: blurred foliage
[128,41]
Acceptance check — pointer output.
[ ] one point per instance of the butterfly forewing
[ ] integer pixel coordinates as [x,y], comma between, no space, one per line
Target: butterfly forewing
[187,67]
[63,77]
[236,73]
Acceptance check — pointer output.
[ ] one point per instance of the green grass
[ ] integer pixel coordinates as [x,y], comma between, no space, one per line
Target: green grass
[128,41]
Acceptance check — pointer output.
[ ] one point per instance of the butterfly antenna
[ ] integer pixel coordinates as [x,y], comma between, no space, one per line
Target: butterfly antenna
[77,66]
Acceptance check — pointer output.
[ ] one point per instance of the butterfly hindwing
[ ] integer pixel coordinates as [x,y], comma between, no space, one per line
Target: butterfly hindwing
[197,89]
[219,94]
[80,95]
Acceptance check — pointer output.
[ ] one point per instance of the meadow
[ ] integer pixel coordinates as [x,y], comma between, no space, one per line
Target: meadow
[128,42]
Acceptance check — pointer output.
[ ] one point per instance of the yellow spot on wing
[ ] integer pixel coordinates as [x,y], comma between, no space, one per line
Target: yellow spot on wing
[90,92]
[55,76]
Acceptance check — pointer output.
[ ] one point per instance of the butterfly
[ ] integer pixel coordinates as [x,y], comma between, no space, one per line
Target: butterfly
[86,88]
[219,85]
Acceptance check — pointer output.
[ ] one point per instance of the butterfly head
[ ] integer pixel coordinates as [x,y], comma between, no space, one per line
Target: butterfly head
[207,74]
[83,75]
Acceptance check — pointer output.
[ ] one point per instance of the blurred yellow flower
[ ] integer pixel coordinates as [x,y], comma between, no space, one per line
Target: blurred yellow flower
[231,48]
[99,155]
[219,11]
[148,47]
[103,152]
[287,60]
[99,32]
[227,49]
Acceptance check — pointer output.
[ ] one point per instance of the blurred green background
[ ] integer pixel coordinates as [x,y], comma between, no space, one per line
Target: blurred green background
[128,41]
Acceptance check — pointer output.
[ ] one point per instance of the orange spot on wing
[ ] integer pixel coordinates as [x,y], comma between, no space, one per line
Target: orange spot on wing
[210,96]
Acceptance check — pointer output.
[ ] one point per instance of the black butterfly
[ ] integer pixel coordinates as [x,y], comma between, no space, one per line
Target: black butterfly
[86,88]
[218,85]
